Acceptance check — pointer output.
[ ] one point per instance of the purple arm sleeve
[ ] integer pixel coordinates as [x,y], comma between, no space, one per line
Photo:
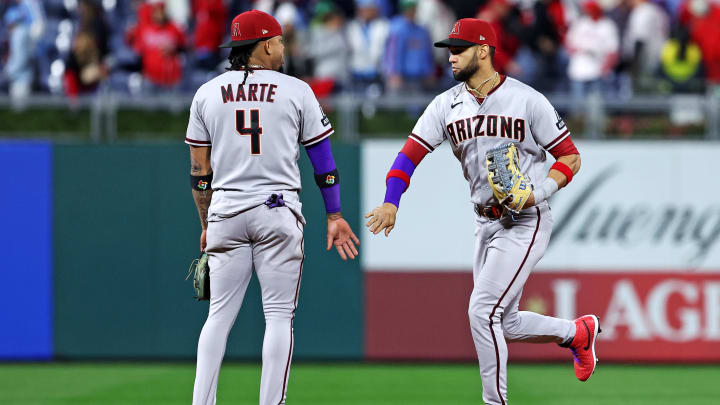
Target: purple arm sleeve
[395,185]
[402,162]
[395,188]
[321,157]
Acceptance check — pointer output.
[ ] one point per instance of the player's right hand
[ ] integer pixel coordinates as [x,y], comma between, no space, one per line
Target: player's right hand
[382,217]
[341,235]
[203,240]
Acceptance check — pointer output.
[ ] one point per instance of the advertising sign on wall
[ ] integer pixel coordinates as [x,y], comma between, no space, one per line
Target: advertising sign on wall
[636,240]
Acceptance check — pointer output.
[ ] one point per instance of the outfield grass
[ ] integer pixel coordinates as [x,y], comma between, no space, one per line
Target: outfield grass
[353,384]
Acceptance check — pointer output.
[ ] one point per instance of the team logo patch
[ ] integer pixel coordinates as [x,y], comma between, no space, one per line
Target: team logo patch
[265,31]
[560,124]
[325,121]
[236,30]
[330,179]
[456,29]
[202,185]
[482,38]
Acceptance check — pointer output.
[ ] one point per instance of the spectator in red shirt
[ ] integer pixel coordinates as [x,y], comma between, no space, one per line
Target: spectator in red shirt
[509,29]
[210,16]
[159,43]
[703,20]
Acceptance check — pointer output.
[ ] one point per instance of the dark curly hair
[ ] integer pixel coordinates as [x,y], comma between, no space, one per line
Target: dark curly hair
[240,57]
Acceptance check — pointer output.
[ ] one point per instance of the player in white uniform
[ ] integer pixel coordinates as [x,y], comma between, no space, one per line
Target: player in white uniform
[244,134]
[484,111]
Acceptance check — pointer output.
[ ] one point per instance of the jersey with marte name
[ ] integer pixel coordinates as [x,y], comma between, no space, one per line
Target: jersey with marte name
[255,130]
[512,112]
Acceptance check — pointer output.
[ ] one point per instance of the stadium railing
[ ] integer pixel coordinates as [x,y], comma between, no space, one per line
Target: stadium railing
[95,118]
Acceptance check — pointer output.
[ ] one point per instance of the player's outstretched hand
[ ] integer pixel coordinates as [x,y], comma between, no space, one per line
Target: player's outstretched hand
[203,240]
[341,235]
[382,217]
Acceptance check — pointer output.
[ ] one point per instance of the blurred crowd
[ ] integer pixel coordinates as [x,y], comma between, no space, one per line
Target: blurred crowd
[613,47]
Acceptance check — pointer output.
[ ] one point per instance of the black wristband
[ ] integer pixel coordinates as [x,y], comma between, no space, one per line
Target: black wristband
[328,179]
[201,183]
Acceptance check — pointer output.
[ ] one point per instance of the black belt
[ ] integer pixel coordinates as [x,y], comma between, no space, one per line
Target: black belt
[489,211]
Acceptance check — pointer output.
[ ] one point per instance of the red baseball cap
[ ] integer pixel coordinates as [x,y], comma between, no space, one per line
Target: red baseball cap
[252,26]
[469,32]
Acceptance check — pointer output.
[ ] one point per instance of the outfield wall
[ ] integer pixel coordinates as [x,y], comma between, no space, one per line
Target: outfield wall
[98,239]
[98,242]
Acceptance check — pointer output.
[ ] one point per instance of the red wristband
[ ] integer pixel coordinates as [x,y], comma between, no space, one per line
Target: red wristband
[564,169]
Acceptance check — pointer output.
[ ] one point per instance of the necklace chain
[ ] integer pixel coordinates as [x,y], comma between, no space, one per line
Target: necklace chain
[493,76]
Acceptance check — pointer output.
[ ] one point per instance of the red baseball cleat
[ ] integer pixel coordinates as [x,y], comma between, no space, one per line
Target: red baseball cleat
[583,346]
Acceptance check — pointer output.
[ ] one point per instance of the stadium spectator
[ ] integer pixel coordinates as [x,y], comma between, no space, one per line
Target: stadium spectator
[367,34]
[593,43]
[509,29]
[681,62]
[438,19]
[546,36]
[19,68]
[645,34]
[159,42]
[84,69]
[209,32]
[328,49]
[294,37]
[408,60]
[91,21]
[703,18]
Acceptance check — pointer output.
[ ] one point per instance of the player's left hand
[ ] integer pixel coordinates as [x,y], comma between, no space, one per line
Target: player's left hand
[509,199]
[341,235]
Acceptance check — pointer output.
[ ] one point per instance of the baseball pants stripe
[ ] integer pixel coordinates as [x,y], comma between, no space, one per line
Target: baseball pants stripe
[292,335]
[492,314]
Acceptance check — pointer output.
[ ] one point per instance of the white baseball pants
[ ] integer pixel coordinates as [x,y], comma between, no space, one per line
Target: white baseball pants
[270,240]
[505,254]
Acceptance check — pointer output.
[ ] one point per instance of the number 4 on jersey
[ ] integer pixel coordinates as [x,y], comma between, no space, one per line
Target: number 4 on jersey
[255,130]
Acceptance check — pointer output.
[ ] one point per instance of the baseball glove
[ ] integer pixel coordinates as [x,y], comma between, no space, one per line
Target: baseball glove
[509,185]
[200,272]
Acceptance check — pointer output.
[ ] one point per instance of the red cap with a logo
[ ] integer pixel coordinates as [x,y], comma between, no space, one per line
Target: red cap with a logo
[252,26]
[469,32]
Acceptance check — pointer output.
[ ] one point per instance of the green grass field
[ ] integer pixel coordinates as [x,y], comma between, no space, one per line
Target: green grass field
[355,384]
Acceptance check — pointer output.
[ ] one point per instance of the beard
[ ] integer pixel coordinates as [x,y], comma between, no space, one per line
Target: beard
[465,74]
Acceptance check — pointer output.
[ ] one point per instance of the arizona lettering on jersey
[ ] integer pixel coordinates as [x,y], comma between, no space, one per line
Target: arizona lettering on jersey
[512,112]
[486,125]
[253,131]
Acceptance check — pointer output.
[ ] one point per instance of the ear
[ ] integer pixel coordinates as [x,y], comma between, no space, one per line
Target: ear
[483,52]
[266,45]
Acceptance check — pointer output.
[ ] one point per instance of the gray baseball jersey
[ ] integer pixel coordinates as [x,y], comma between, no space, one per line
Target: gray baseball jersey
[509,248]
[512,112]
[255,131]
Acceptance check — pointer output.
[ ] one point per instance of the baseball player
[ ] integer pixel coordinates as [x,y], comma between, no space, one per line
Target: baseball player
[244,130]
[484,111]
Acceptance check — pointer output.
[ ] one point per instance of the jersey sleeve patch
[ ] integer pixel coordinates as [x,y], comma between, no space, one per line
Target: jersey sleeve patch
[318,138]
